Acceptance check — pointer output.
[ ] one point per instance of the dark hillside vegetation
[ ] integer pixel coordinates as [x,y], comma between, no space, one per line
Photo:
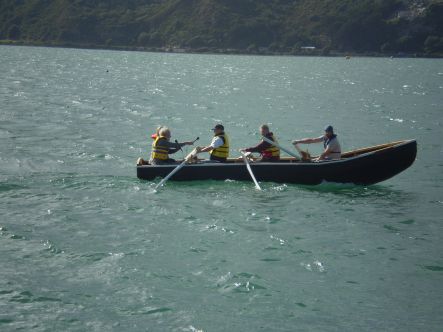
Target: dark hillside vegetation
[245,26]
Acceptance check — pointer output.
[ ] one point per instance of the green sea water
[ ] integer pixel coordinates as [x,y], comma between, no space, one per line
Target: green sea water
[86,246]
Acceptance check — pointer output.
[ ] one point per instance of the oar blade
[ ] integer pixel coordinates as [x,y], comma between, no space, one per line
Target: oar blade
[248,167]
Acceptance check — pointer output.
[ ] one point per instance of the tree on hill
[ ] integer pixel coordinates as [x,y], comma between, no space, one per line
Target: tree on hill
[246,25]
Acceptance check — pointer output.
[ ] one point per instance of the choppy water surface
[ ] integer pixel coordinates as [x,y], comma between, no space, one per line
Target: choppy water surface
[86,246]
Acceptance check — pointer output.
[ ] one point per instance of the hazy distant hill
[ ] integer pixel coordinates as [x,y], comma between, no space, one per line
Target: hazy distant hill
[357,26]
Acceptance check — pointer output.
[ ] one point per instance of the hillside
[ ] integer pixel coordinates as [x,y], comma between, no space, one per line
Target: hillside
[246,26]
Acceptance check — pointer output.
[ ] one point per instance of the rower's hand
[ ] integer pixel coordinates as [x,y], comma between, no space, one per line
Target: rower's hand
[295,142]
[198,149]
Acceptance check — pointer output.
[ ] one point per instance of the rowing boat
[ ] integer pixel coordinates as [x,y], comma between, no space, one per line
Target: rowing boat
[364,166]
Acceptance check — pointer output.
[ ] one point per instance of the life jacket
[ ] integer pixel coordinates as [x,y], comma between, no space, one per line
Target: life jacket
[327,140]
[272,151]
[159,152]
[222,151]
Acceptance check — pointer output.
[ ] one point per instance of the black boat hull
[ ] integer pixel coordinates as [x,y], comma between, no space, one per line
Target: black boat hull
[359,167]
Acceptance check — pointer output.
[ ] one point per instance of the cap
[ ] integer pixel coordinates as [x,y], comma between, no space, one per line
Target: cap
[329,129]
[218,126]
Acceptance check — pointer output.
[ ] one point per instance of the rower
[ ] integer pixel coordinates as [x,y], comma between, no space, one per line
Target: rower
[268,151]
[157,133]
[332,149]
[162,148]
[219,147]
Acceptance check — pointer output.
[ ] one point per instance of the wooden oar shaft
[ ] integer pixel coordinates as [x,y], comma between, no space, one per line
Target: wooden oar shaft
[179,167]
[175,170]
[279,146]
[298,149]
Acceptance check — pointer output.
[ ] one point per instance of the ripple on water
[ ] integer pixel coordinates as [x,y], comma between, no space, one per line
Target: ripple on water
[434,268]
[242,282]
[28,297]
[146,311]
[407,222]
[314,266]
[102,269]
[7,186]
[51,247]
[6,320]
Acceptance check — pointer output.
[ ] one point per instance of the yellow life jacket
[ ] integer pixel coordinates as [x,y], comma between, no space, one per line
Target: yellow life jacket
[222,151]
[272,151]
[159,152]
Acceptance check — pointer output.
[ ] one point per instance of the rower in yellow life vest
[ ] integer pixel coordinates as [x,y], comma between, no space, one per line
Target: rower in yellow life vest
[157,133]
[268,151]
[219,147]
[162,148]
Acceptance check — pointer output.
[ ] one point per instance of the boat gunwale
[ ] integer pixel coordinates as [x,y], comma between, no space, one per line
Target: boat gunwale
[288,162]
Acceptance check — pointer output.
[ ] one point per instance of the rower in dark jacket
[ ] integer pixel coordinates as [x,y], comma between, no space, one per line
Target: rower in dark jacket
[268,151]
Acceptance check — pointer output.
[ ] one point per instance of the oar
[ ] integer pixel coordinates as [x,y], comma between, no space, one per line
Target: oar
[192,143]
[277,145]
[180,148]
[299,150]
[304,155]
[179,167]
[257,186]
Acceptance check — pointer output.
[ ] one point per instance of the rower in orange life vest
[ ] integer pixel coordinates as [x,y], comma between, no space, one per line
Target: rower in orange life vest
[219,147]
[162,147]
[268,151]
[332,149]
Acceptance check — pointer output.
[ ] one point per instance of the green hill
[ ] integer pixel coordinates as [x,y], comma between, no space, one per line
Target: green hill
[256,26]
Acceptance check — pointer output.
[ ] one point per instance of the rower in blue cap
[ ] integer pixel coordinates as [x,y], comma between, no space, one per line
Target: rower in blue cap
[332,149]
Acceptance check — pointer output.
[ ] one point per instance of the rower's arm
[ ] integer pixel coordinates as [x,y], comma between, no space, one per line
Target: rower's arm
[263,145]
[325,153]
[216,143]
[207,149]
[308,140]
[172,147]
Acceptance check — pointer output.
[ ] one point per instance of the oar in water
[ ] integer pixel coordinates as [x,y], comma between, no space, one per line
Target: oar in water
[179,167]
[277,145]
[257,186]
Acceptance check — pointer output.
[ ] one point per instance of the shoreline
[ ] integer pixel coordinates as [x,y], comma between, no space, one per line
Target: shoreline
[220,51]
